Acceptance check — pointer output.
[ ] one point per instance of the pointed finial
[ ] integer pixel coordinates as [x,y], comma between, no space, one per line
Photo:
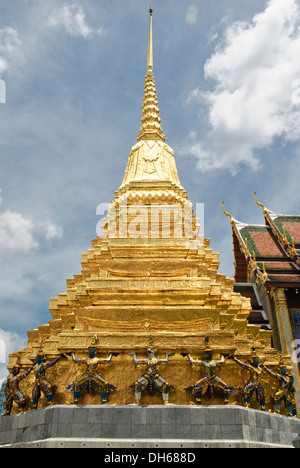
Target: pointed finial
[253,353]
[40,352]
[227,214]
[151,341]
[151,123]
[259,204]
[150,46]
[94,340]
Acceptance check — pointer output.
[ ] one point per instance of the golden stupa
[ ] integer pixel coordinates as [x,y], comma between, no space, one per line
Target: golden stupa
[148,279]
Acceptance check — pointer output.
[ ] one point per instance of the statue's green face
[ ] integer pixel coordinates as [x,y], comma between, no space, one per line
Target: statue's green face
[38,359]
[92,352]
[283,370]
[16,370]
[256,361]
[207,356]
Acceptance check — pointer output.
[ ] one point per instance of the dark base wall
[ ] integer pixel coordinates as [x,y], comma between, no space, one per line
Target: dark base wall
[148,426]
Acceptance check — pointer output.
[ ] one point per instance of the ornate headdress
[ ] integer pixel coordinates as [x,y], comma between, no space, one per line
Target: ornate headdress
[17,363]
[253,354]
[94,341]
[281,361]
[206,341]
[41,352]
[151,343]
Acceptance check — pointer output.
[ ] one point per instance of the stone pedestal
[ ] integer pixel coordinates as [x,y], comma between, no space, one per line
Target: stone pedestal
[147,427]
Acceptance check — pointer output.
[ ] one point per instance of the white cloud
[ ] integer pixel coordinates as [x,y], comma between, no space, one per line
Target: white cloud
[29,259]
[73,20]
[9,48]
[16,233]
[252,103]
[52,231]
[9,343]
[20,234]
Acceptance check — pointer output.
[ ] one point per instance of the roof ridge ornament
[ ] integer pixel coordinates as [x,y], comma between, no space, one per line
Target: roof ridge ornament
[284,239]
[293,249]
[265,274]
[247,248]
[259,204]
[254,260]
[227,214]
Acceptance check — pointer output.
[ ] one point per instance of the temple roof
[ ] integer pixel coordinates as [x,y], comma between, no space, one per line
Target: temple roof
[270,251]
[258,314]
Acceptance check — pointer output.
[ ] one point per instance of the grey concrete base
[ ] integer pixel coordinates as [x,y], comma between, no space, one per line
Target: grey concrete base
[147,427]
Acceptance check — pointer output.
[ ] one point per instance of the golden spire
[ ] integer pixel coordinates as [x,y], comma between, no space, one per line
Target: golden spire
[151,123]
[151,159]
[150,45]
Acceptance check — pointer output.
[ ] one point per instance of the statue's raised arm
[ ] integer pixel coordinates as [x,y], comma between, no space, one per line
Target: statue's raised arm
[241,363]
[253,385]
[285,389]
[77,360]
[166,359]
[107,360]
[210,381]
[91,379]
[151,380]
[136,360]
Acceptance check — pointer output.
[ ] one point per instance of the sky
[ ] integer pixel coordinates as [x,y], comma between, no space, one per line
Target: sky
[72,80]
